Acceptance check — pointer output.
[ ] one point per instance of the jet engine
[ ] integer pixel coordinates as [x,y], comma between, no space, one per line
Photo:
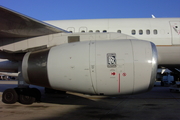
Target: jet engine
[104,67]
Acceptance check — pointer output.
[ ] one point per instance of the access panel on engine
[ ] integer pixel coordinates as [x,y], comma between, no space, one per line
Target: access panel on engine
[114,67]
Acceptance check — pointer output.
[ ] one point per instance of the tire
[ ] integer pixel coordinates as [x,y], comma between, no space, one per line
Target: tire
[10,96]
[26,97]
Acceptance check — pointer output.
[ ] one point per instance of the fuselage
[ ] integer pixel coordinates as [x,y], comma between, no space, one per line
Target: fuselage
[164,32]
[161,31]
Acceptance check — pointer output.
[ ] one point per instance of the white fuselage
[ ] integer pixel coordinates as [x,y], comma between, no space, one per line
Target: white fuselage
[164,32]
[161,31]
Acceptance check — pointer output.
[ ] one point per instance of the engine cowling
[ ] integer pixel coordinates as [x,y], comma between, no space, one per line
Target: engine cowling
[111,67]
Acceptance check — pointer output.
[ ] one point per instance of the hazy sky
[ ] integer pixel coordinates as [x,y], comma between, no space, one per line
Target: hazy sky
[92,9]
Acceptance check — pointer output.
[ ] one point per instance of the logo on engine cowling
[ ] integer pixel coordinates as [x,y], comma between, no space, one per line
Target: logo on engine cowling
[111,60]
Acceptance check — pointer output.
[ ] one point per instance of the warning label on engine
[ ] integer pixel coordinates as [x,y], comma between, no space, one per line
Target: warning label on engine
[111,60]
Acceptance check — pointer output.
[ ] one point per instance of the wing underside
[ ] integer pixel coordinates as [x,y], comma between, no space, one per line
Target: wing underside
[16,25]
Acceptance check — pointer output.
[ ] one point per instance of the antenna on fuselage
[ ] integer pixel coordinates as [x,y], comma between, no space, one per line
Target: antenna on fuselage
[153,16]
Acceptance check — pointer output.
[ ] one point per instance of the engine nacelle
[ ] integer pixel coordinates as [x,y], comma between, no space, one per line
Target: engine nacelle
[111,67]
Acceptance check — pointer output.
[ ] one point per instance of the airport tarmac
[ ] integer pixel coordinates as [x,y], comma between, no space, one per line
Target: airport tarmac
[158,104]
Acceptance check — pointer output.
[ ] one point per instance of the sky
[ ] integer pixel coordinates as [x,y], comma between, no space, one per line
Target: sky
[93,9]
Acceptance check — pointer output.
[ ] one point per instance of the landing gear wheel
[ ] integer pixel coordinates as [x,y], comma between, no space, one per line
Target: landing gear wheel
[26,97]
[10,96]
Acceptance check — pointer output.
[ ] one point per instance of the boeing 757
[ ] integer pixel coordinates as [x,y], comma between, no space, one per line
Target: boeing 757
[95,56]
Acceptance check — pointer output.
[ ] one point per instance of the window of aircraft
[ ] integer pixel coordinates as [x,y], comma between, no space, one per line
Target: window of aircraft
[104,30]
[97,31]
[155,32]
[140,32]
[82,31]
[133,32]
[147,32]
[118,31]
[70,31]
[176,26]
[90,31]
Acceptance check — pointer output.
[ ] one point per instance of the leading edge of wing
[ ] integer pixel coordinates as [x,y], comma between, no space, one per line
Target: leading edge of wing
[14,24]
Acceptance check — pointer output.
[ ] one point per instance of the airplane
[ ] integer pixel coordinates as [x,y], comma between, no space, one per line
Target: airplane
[95,56]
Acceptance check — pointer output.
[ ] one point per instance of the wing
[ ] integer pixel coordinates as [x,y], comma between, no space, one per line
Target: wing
[13,24]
